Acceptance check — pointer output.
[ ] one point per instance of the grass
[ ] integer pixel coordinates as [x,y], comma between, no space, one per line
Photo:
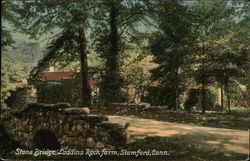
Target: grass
[239,120]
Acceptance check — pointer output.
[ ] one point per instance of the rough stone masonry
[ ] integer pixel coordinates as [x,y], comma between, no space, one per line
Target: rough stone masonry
[61,126]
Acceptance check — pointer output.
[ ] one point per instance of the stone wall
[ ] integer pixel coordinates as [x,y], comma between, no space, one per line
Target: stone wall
[21,97]
[72,127]
[144,110]
[18,98]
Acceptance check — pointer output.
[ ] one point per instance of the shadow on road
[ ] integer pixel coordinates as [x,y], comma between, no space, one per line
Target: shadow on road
[226,140]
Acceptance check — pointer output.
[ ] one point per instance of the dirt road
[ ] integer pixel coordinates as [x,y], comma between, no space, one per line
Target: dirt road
[227,140]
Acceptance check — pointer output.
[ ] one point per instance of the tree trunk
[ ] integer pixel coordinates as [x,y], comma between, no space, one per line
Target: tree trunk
[174,98]
[113,37]
[114,51]
[110,89]
[228,98]
[176,91]
[203,85]
[222,95]
[203,101]
[86,91]
[248,87]
[248,91]
[228,103]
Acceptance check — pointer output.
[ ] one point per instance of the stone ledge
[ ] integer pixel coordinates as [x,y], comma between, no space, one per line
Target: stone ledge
[129,105]
[46,107]
[96,118]
[76,110]
[152,112]
[72,127]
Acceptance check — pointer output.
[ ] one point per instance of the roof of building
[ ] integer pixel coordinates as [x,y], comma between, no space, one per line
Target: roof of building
[57,76]
[157,83]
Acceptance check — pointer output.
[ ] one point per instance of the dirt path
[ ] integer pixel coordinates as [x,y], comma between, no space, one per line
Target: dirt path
[224,139]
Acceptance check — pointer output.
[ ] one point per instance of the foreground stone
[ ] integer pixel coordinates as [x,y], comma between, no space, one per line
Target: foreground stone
[44,126]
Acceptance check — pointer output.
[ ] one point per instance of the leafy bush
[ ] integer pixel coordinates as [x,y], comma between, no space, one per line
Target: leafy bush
[218,107]
[160,97]
[69,91]
[211,99]
[18,98]
[135,71]
[12,72]
[193,98]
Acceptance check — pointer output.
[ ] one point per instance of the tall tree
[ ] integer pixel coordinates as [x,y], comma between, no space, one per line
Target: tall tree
[69,21]
[211,23]
[135,71]
[112,21]
[242,43]
[170,45]
[230,65]
[11,19]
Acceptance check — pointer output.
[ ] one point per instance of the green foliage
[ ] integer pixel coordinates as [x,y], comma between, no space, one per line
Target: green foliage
[192,99]
[70,21]
[18,99]
[9,17]
[12,72]
[135,71]
[113,23]
[211,99]
[68,91]
[159,96]
[6,39]
[47,17]
[217,56]
[192,42]
[61,20]
[237,119]
[62,51]
[218,107]
[171,46]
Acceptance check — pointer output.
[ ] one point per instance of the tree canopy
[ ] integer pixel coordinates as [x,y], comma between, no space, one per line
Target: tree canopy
[191,43]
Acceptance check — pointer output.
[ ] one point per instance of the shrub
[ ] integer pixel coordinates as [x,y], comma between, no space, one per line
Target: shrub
[218,107]
[69,91]
[211,99]
[192,99]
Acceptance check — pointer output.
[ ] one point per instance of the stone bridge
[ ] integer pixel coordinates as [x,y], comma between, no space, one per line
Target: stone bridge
[60,126]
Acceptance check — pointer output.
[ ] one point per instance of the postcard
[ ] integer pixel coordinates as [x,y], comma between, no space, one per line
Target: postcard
[125,80]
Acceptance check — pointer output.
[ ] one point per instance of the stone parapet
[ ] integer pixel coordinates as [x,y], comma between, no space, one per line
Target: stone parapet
[150,112]
[72,127]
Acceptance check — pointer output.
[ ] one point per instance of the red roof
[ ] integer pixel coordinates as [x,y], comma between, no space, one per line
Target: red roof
[157,83]
[57,76]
